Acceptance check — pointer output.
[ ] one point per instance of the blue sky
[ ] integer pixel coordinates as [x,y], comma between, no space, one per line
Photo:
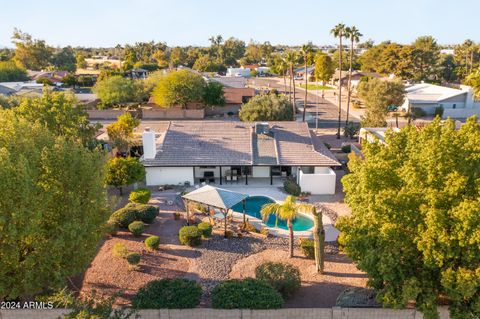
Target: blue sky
[184,22]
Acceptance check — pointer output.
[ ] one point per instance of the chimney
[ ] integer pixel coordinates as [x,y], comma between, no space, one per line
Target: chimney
[149,145]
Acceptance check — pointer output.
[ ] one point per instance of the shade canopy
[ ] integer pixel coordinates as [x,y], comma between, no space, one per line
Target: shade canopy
[215,197]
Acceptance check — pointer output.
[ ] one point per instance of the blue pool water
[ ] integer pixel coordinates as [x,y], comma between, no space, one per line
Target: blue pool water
[254,205]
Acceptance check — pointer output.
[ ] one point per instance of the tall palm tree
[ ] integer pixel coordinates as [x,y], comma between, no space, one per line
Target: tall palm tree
[307,50]
[287,211]
[339,32]
[292,58]
[354,35]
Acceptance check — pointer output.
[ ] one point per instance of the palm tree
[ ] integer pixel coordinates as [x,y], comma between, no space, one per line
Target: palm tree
[339,32]
[291,57]
[287,211]
[354,35]
[307,50]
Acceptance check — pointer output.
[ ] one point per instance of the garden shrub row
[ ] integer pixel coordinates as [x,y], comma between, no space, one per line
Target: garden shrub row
[275,283]
[134,212]
[168,293]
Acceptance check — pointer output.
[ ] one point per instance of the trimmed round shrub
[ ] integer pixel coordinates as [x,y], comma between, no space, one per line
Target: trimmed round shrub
[124,216]
[206,229]
[133,259]
[190,236]
[285,278]
[308,248]
[292,188]
[246,294]
[168,293]
[111,228]
[146,213]
[140,196]
[136,228]
[120,250]
[152,242]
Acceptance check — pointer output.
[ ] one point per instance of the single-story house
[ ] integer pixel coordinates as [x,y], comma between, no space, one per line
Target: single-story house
[52,76]
[244,153]
[238,72]
[356,76]
[235,89]
[28,88]
[300,72]
[429,96]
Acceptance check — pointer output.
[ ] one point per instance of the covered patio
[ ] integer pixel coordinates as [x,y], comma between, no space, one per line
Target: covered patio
[219,198]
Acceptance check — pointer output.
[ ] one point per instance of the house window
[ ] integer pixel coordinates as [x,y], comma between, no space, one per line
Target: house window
[454,106]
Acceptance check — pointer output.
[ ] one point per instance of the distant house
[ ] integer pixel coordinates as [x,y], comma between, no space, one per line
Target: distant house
[221,152]
[428,97]
[356,76]
[52,76]
[29,88]
[235,90]
[138,73]
[238,72]
[300,72]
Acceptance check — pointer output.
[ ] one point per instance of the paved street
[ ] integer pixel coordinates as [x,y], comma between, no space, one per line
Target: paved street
[327,112]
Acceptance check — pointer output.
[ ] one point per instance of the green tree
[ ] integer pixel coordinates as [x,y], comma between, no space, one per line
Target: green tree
[64,59]
[60,113]
[279,66]
[205,63]
[414,223]
[52,210]
[288,211]
[378,95]
[31,54]
[466,56]
[124,171]
[307,52]
[324,69]
[80,61]
[10,72]
[120,133]
[213,94]
[179,88]
[339,32]
[473,79]
[354,35]
[117,90]
[426,57]
[266,107]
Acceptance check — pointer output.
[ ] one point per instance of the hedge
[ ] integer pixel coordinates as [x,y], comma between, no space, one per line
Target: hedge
[140,196]
[206,229]
[146,213]
[190,236]
[285,278]
[132,212]
[246,294]
[168,293]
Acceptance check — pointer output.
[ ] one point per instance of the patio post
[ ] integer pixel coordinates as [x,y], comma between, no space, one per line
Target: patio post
[225,213]
[187,211]
[243,210]
[220,175]
[271,176]
[246,177]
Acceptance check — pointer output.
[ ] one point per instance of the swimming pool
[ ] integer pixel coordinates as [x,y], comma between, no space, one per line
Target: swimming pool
[254,205]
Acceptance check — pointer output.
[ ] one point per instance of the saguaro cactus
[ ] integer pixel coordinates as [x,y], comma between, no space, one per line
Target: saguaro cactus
[318,239]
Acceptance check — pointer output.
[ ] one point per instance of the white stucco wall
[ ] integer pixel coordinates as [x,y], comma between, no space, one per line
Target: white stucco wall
[322,182]
[168,175]
[261,171]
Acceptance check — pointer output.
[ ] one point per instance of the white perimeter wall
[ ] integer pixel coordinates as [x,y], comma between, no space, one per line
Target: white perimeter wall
[322,182]
[168,175]
[261,171]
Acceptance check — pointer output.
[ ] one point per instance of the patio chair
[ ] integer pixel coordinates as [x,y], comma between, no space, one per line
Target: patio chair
[235,178]
[228,178]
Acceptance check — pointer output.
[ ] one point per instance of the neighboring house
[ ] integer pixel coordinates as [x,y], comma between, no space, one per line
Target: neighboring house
[457,103]
[356,76]
[235,90]
[300,72]
[5,90]
[238,72]
[138,73]
[28,88]
[52,76]
[243,153]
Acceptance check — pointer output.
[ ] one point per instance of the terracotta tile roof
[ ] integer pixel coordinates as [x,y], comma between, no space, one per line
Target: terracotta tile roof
[212,143]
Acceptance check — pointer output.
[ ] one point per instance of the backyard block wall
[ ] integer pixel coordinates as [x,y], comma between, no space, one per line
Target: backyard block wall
[203,313]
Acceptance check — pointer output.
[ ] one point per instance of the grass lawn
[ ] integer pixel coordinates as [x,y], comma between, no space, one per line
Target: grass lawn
[316,87]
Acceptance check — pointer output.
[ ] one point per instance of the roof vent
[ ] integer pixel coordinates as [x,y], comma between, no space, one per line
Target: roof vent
[262,128]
